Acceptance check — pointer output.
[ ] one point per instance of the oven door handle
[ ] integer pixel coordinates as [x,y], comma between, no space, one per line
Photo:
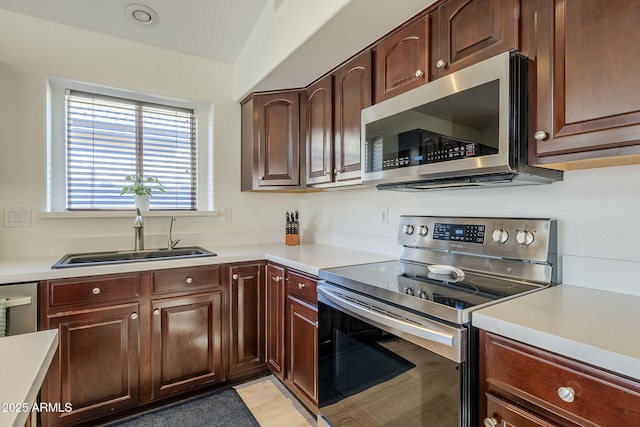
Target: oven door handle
[444,338]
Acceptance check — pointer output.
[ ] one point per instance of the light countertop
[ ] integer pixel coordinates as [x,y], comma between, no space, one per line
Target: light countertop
[306,258]
[25,360]
[593,326]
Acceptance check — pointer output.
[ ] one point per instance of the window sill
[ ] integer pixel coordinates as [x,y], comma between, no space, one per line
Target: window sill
[224,214]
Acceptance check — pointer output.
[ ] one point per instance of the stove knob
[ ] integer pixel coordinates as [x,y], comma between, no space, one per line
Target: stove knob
[423,295]
[408,229]
[524,237]
[423,230]
[409,291]
[500,236]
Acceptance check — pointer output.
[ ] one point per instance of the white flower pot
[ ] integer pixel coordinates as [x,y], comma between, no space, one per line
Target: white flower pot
[142,202]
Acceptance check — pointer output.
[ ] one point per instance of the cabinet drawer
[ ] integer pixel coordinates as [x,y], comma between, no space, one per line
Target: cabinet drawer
[503,413]
[302,287]
[591,396]
[186,279]
[93,290]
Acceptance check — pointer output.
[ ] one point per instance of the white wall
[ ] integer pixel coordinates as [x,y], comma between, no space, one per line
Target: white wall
[30,51]
[598,214]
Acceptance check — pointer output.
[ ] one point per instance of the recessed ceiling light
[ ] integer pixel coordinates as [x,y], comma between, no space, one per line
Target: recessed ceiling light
[142,14]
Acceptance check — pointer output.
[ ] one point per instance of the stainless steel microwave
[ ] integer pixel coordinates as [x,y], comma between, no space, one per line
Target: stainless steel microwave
[467,129]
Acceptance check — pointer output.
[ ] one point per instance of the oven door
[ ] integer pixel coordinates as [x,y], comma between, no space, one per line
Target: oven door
[381,366]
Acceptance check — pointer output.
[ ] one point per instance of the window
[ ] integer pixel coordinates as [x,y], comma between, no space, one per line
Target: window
[109,138]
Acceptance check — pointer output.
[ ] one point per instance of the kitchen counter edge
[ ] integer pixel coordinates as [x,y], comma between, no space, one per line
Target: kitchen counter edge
[309,258]
[592,326]
[26,358]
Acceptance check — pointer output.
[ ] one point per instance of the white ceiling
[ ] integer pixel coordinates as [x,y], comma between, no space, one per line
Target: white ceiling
[212,29]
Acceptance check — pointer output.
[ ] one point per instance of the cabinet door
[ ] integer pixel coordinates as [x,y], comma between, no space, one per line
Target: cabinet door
[352,83]
[278,139]
[275,319]
[96,367]
[318,129]
[465,32]
[401,60]
[186,343]
[247,320]
[302,351]
[588,54]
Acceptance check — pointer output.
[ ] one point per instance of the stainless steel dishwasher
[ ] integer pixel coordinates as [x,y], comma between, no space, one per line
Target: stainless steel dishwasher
[21,307]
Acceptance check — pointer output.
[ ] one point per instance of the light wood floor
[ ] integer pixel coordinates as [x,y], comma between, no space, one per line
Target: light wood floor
[272,405]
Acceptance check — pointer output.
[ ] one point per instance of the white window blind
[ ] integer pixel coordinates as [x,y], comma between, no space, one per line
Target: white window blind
[109,138]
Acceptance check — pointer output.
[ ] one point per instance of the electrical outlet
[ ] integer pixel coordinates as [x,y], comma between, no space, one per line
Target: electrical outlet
[384,215]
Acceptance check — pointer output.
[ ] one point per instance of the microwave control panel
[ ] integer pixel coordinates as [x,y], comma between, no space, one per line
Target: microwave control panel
[419,147]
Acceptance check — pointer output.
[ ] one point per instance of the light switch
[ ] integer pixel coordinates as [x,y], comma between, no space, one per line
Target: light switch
[17,217]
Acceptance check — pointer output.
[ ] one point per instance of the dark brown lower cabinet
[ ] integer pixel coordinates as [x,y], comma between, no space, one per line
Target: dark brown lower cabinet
[302,351]
[276,297]
[96,367]
[186,343]
[525,386]
[247,320]
[132,339]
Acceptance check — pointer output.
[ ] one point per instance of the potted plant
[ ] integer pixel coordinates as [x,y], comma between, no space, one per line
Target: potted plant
[141,187]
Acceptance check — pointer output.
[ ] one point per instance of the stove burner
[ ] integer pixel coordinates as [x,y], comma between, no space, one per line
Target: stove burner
[449,278]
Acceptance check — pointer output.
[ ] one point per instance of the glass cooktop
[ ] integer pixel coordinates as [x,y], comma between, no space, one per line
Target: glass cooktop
[411,285]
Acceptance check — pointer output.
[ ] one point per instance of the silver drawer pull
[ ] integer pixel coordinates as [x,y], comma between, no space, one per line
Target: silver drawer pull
[134,316]
[189,280]
[567,394]
[95,291]
[235,277]
[156,312]
[301,285]
[490,422]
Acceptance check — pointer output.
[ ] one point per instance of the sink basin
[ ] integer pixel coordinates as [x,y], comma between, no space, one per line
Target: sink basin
[118,257]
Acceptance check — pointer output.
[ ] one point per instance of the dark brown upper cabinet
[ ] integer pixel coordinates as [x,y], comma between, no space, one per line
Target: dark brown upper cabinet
[401,60]
[271,141]
[352,92]
[587,112]
[331,120]
[317,119]
[464,32]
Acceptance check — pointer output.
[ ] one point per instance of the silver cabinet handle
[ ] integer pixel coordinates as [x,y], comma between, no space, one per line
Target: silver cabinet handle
[419,73]
[189,280]
[490,422]
[235,277]
[261,178]
[95,291]
[301,285]
[156,312]
[567,394]
[277,278]
[134,316]
[540,135]
[441,63]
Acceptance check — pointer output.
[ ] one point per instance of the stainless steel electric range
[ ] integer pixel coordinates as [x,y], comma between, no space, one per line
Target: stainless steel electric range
[396,345]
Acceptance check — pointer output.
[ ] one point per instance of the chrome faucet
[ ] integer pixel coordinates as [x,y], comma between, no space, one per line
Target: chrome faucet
[172,243]
[138,227]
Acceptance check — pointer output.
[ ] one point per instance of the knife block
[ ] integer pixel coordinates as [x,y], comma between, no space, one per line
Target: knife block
[292,239]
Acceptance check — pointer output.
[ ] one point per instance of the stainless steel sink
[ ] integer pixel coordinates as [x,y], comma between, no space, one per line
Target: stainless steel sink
[118,257]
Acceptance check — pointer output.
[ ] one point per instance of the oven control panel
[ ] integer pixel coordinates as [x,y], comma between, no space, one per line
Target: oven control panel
[471,233]
[531,239]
